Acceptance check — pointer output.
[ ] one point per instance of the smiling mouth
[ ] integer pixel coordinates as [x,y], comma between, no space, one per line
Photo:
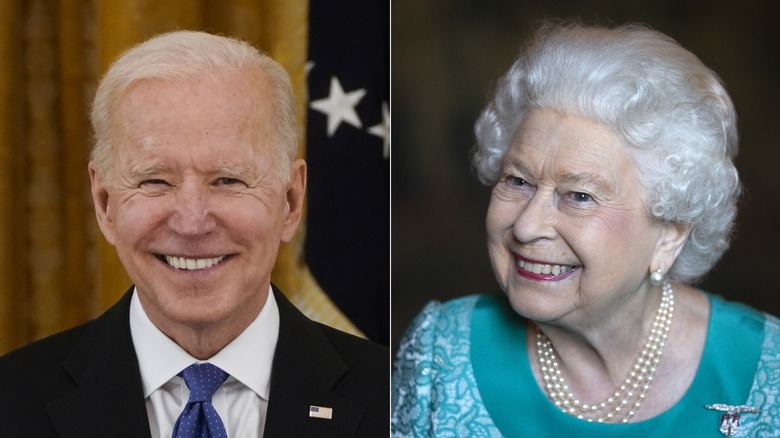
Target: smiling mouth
[543,268]
[192,264]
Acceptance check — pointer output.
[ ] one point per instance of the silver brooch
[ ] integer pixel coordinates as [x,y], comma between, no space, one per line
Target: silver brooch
[729,421]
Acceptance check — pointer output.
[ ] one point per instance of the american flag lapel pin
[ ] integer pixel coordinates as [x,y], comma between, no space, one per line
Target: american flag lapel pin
[320,412]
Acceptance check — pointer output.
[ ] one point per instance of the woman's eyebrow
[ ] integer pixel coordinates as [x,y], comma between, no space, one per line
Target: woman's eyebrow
[587,179]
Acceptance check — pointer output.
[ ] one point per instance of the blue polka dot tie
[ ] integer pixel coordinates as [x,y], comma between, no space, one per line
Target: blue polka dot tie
[199,418]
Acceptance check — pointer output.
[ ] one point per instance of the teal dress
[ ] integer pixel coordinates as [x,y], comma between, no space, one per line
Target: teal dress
[463,370]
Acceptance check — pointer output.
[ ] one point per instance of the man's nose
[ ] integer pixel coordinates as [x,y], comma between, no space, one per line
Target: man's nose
[191,214]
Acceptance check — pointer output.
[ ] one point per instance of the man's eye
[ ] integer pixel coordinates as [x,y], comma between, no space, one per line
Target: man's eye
[228,181]
[154,182]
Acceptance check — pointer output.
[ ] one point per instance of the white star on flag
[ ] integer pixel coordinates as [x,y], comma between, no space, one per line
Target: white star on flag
[382,130]
[339,106]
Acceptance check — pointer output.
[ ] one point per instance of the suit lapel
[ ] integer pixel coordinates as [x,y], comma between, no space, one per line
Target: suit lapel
[306,368]
[108,399]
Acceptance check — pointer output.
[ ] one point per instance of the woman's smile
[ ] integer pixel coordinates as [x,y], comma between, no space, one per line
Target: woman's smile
[539,270]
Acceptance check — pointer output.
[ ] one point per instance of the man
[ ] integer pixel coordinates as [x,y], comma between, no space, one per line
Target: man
[196,184]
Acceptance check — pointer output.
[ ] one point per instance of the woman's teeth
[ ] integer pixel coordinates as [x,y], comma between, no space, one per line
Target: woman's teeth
[541,268]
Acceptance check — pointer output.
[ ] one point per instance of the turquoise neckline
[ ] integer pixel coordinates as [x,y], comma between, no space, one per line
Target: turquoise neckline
[509,391]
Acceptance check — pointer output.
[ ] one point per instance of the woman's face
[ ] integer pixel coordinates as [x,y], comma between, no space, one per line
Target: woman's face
[568,234]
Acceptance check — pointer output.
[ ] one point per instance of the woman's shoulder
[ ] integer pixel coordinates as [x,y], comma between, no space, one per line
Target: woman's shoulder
[740,321]
[765,391]
[457,305]
[454,309]
[446,322]
[735,312]
[432,368]
[437,316]
[443,330]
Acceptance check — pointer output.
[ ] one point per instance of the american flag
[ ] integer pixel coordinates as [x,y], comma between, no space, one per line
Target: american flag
[320,412]
[348,153]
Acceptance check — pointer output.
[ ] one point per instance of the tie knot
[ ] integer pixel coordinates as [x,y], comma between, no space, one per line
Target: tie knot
[203,380]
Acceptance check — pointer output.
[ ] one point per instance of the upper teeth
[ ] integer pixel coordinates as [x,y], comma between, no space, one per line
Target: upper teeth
[541,268]
[192,264]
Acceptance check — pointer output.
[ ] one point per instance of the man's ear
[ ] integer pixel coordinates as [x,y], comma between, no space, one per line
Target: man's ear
[296,195]
[673,238]
[102,206]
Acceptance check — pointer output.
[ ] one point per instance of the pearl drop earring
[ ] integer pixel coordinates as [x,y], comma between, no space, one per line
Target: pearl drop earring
[657,277]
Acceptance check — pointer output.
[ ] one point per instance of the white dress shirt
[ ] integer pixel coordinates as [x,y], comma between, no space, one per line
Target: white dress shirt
[242,401]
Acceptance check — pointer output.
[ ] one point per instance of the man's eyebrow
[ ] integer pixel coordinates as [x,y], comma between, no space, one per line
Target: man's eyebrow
[145,171]
[233,171]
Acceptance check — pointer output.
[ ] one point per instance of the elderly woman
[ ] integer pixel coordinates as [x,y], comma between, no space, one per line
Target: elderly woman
[610,152]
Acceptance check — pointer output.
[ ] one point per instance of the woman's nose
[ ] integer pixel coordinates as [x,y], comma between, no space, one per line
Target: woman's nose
[537,219]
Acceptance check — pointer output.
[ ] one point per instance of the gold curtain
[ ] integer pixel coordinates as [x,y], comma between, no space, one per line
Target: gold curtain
[55,269]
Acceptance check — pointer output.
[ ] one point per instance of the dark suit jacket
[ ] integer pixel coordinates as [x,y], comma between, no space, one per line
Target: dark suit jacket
[85,382]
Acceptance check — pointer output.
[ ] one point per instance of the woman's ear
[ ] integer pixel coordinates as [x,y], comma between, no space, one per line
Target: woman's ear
[671,242]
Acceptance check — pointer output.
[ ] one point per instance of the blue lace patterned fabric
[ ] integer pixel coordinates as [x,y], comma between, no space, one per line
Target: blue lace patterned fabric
[435,391]
[766,386]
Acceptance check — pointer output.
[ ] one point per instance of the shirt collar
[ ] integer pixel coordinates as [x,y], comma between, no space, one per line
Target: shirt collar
[247,358]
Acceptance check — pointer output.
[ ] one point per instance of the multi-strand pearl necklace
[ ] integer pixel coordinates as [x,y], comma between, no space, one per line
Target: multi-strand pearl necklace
[626,399]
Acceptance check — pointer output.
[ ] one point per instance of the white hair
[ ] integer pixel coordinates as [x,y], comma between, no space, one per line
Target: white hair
[672,111]
[185,55]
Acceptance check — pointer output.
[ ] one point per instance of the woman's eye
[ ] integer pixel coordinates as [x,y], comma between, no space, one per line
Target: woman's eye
[512,180]
[581,197]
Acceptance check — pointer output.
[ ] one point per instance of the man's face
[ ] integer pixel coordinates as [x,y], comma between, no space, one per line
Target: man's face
[194,206]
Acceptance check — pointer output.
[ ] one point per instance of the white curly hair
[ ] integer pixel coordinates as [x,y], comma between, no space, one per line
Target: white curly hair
[672,111]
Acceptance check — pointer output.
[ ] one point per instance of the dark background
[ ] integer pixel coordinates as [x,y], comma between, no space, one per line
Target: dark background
[446,56]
